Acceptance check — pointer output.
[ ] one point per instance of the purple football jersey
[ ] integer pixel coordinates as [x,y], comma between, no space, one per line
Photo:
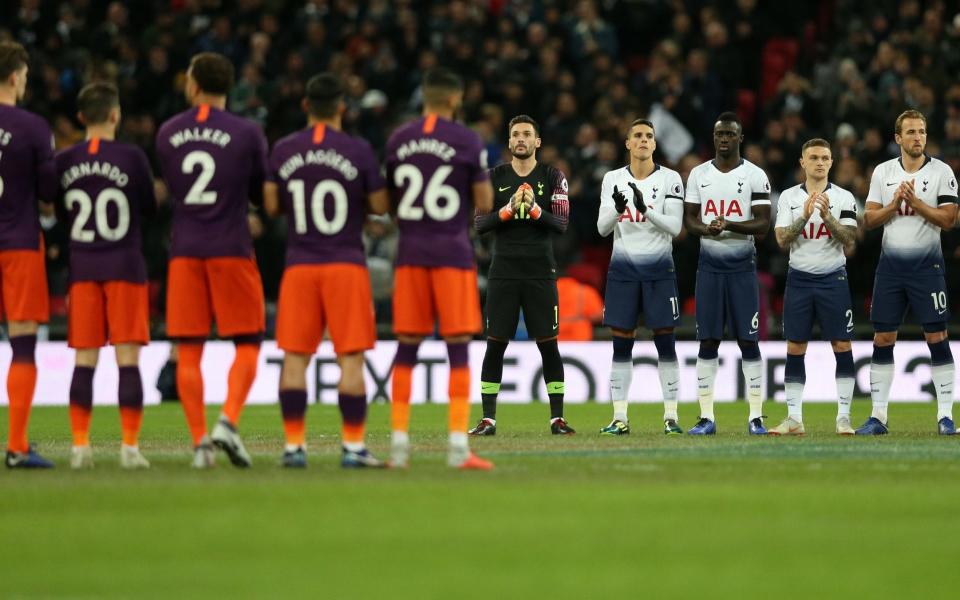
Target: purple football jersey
[104,188]
[26,176]
[324,177]
[214,164]
[432,165]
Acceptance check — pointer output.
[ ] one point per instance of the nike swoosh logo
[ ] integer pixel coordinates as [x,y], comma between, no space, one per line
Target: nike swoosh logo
[794,207]
[941,311]
[703,185]
[671,383]
[503,189]
[702,378]
[754,379]
[555,326]
[752,332]
[889,184]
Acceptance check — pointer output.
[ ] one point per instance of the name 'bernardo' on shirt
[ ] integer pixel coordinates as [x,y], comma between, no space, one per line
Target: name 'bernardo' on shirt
[327,158]
[200,134]
[432,146]
[99,168]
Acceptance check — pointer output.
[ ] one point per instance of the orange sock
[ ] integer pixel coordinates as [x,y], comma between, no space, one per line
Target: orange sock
[21,381]
[400,397]
[293,410]
[81,404]
[240,380]
[80,425]
[130,420]
[459,391]
[190,388]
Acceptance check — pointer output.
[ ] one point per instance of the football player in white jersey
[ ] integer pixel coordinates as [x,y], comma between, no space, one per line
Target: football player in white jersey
[727,203]
[642,204]
[816,221]
[913,197]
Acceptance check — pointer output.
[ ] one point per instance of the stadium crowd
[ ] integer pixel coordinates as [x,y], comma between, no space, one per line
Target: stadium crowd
[839,69]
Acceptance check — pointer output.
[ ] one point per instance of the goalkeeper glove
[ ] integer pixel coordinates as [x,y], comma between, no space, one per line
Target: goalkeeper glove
[509,209]
[638,199]
[619,200]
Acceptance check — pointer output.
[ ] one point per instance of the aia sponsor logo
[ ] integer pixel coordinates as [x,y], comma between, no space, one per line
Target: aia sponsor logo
[813,232]
[722,208]
[634,216]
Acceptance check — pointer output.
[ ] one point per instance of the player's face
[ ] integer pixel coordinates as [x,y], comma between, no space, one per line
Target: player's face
[20,82]
[523,142]
[726,138]
[816,162]
[641,142]
[912,138]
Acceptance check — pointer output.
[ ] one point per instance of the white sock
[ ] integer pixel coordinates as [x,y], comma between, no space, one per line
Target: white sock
[844,395]
[458,440]
[943,382]
[354,446]
[669,371]
[753,376]
[621,374]
[706,375]
[400,438]
[794,391]
[881,377]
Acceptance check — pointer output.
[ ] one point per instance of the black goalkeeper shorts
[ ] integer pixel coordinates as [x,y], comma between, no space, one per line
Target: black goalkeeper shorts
[538,298]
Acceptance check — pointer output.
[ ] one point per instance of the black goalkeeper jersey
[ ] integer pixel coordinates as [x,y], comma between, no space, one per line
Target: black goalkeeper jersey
[523,246]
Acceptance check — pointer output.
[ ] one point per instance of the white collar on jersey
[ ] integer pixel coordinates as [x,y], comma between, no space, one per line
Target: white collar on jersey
[803,186]
[713,162]
[926,161]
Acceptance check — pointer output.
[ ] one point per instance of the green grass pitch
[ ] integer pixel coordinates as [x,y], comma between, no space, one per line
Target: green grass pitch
[580,517]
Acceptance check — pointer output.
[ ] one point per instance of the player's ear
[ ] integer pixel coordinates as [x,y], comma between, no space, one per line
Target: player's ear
[537,143]
[303,106]
[81,119]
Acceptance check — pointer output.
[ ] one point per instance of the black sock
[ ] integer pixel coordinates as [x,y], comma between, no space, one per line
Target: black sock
[553,376]
[491,373]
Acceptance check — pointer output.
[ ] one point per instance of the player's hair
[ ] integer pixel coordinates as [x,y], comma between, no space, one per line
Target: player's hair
[324,93]
[729,117]
[213,73]
[908,114]
[439,84]
[96,100]
[816,142]
[13,57]
[646,122]
[524,119]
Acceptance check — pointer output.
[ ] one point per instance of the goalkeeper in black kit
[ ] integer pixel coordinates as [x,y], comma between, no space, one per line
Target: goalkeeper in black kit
[533,205]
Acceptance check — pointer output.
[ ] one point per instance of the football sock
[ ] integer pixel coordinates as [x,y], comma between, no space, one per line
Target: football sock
[621,374]
[21,381]
[130,399]
[794,378]
[669,371]
[293,410]
[242,373]
[491,374]
[190,388]
[752,369]
[942,369]
[81,405]
[403,364]
[845,382]
[353,412]
[553,376]
[458,387]
[881,377]
[707,365]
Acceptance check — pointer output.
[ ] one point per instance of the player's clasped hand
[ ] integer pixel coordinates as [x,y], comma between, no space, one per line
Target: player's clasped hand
[619,200]
[823,205]
[716,226]
[638,199]
[809,205]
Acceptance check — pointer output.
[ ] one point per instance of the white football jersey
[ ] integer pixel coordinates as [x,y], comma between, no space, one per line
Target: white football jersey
[911,244]
[733,195]
[642,249]
[815,251]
